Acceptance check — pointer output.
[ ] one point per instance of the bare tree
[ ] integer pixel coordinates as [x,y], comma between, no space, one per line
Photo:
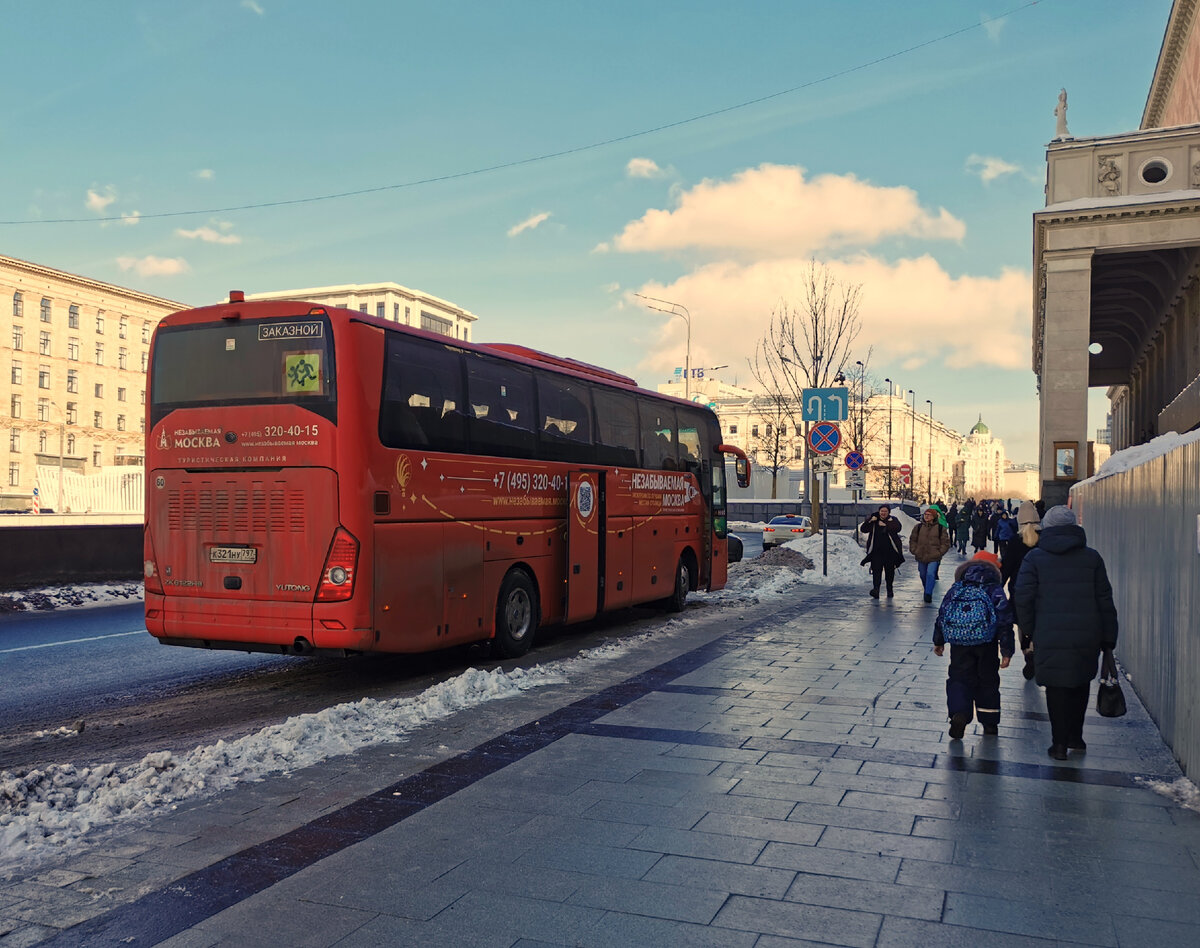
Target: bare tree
[769,438]
[808,344]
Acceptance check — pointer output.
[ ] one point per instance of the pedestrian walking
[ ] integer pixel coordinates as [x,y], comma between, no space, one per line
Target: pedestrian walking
[976,620]
[992,525]
[962,533]
[883,548]
[1029,526]
[979,528]
[928,543]
[1006,529]
[1064,602]
[952,519]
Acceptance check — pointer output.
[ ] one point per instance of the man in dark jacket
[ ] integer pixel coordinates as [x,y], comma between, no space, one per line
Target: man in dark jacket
[1064,602]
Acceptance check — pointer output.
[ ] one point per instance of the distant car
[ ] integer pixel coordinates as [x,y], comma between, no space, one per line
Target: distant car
[736,548]
[786,528]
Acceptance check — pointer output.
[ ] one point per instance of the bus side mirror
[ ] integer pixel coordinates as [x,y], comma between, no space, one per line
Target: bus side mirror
[741,467]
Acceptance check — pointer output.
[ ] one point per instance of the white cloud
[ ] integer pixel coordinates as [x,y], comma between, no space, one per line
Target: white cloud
[529,223]
[612,287]
[151,265]
[205,174]
[131,218]
[99,202]
[993,26]
[911,309]
[253,7]
[643,168]
[602,247]
[990,168]
[774,211]
[209,235]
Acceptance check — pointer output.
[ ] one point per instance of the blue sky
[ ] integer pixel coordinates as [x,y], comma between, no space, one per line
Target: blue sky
[916,176]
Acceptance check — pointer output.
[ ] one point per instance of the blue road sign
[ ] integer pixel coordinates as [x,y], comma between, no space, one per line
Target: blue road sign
[855,460]
[825,404]
[824,438]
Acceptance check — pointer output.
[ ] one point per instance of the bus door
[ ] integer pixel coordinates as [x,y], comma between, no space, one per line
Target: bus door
[585,544]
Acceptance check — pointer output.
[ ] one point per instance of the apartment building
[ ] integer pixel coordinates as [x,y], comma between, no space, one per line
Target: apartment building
[73,385]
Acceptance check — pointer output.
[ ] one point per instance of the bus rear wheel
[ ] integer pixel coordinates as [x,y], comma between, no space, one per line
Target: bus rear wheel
[516,614]
[683,582]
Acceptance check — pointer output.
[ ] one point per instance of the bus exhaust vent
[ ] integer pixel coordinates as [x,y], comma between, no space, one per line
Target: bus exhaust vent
[258,508]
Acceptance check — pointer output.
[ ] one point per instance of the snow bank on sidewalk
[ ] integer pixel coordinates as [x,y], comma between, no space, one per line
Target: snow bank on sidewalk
[71,596]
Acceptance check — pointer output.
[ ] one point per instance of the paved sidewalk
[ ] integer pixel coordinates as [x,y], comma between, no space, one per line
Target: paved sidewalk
[783,779]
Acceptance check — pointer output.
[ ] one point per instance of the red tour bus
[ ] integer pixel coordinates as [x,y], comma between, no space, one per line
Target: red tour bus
[324,481]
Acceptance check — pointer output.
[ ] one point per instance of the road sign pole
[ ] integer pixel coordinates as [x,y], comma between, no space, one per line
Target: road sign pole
[824,529]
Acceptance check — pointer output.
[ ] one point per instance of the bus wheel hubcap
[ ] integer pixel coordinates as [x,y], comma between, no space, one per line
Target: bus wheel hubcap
[517,613]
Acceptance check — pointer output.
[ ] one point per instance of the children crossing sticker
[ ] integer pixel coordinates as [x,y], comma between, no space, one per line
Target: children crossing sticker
[302,372]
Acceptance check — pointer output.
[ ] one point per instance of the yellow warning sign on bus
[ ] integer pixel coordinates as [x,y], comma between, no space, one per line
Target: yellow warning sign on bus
[302,373]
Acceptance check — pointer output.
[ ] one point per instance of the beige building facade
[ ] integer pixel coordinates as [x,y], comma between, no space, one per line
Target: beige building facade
[1117,271]
[390,301]
[73,386]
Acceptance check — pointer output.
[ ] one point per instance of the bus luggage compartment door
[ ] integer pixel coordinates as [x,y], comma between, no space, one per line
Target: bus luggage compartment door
[585,544]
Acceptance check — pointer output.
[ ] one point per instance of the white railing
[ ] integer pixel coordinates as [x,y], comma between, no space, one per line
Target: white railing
[117,490]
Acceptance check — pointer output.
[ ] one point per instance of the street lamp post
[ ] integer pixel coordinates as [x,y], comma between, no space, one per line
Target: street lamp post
[929,402]
[891,396]
[912,448]
[687,318]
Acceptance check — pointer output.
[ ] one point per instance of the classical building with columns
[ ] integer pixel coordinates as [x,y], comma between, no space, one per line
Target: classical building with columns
[1116,255]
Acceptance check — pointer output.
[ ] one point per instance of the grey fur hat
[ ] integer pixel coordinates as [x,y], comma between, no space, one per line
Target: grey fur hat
[1027,514]
[1059,516]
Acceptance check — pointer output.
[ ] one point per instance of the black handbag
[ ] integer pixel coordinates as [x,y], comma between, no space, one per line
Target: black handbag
[1110,701]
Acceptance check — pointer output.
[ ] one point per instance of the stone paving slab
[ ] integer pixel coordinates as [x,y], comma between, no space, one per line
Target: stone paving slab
[782,778]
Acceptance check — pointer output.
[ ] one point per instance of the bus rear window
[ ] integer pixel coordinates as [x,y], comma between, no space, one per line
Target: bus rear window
[251,362]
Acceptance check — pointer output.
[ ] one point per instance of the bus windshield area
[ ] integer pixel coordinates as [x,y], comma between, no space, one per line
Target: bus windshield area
[242,363]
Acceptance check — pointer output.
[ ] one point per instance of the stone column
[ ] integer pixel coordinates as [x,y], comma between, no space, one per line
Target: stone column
[1064,377]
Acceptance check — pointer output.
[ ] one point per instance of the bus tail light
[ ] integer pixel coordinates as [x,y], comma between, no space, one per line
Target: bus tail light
[150,567]
[337,576]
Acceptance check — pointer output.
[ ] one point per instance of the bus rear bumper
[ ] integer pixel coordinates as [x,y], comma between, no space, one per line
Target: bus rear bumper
[288,629]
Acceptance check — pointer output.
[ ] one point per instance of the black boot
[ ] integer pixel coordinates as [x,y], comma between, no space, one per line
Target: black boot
[874,592]
[891,592]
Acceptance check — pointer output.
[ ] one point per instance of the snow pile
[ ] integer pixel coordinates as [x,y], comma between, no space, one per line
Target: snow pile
[1181,791]
[845,556]
[1141,453]
[62,597]
[44,810]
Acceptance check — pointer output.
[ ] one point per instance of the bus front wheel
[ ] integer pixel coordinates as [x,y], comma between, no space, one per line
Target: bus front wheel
[516,614]
[683,582]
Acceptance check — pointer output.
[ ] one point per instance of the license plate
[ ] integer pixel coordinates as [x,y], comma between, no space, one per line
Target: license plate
[232,554]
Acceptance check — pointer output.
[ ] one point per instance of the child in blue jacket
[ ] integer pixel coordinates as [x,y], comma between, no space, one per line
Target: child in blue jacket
[975,617]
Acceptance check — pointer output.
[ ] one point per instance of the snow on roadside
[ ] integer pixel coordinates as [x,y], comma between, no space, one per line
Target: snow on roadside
[73,596]
[845,556]
[1181,790]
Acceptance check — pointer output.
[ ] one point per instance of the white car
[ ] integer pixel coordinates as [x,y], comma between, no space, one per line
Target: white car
[786,528]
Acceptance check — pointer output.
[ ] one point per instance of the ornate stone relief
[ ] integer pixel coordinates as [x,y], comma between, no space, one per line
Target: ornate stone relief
[1195,180]
[1109,174]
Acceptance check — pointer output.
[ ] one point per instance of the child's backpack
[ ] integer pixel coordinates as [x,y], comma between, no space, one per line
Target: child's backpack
[967,615]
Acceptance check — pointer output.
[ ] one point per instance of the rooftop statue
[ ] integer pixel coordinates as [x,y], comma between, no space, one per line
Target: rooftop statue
[1060,112]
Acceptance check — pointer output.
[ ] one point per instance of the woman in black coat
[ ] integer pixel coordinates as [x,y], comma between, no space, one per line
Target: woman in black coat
[884,551]
[1064,602]
[979,528]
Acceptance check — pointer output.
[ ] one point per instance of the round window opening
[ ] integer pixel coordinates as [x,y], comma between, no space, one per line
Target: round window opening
[1155,171]
[1095,348]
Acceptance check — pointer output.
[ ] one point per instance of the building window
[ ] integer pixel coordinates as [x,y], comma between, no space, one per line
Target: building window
[733,429]
[122,358]
[381,310]
[44,343]
[799,452]
[18,376]
[14,474]
[396,312]
[14,440]
[43,376]
[145,358]
[99,390]
[120,394]
[18,306]
[14,408]
[43,409]
[42,439]
[407,315]
[433,323]
[95,455]
[99,353]
[97,419]
[362,307]
[73,381]
[142,425]
[45,310]
[100,322]
[123,327]
[71,445]
[73,350]
[18,338]
[142,400]
[120,422]
[73,317]
[146,332]
[754,431]
[72,413]
[466,336]
[783,431]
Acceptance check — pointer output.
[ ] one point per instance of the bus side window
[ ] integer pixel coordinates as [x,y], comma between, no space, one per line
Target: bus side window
[616,428]
[658,437]
[500,407]
[421,391]
[565,410]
